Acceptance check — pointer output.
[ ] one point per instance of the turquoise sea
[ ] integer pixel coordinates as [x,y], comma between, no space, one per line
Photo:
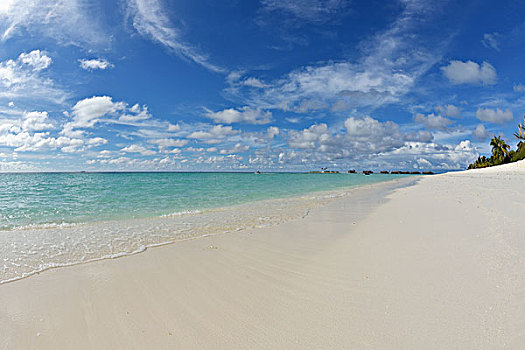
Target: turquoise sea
[56,219]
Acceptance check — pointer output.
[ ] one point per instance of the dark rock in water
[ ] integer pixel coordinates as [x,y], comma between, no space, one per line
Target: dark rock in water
[428,173]
[395,172]
[367,172]
[384,172]
[404,172]
[415,172]
[352,171]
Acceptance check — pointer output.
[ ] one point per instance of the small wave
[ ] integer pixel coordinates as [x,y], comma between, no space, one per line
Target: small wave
[49,225]
[181,213]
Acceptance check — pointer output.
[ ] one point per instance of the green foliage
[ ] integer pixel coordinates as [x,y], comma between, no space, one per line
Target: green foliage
[519,154]
[501,152]
[481,162]
[500,149]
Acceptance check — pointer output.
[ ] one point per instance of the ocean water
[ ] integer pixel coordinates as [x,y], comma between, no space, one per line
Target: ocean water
[59,219]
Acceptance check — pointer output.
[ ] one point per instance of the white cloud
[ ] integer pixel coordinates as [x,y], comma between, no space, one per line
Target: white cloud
[150,20]
[480,132]
[272,131]
[36,121]
[318,11]
[102,109]
[242,115]
[368,142]
[362,136]
[136,113]
[214,135]
[254,82]
[138,149]
[432,121]
[25,141]
[494,115]
[390,64]
[419,136]
[69,22]
[22,78]
[95,63]
[519,88]
[36,59]
[165,143]
[470,72]
[96,141]
[89,111]
[449,110]
[491,41]
[5,6]
[238,148]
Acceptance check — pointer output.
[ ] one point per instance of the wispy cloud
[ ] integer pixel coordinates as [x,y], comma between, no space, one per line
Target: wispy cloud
[390,63]
[491,41]
[317,11]
[150,20]
[69,22]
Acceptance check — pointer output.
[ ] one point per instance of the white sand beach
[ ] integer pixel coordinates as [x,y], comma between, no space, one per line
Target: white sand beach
[435,265]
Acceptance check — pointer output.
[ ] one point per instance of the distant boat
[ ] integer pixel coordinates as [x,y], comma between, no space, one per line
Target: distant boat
[257,172]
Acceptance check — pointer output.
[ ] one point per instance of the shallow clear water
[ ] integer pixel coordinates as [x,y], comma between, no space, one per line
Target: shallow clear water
[50,199]
[50,220]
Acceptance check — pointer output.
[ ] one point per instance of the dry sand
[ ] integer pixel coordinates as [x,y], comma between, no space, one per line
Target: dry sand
[437,265]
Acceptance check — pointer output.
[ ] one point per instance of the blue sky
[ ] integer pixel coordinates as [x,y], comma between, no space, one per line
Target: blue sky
[257,85]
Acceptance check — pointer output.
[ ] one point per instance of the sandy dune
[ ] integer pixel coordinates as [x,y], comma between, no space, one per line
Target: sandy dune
[435,265]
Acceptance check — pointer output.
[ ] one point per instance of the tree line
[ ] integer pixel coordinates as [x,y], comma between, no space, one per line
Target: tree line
[501,152]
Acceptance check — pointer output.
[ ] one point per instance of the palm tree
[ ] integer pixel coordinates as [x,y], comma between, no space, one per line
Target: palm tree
[500,149]
[521,131]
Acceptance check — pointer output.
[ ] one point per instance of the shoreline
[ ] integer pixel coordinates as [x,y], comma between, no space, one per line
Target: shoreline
[320,198]
[433,265]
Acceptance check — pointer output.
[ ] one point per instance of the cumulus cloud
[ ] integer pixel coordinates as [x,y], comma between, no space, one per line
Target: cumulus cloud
[371,143]
[97,141]
[24,138]
[419,136]
[362,136]
[135,114]
[102,109]
[22,78]
[138,149]
[241,115]
[165,144]
[469,72]
[432,121]
[496,116]
[149,18]
[95,63]
[480,132]
[36,59]
[237,148]
[214,135]
[36,121]
[272,131]
[449,110]
[87,112]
